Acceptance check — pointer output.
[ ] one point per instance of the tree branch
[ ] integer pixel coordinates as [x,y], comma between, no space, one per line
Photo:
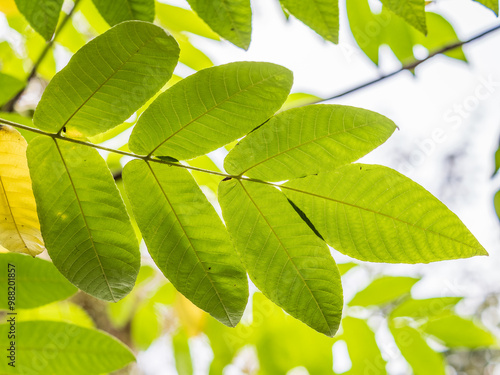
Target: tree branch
[409,66]
[9,106]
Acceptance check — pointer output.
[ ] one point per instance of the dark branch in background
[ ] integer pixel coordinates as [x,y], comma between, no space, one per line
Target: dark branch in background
[409,66]
[9,106]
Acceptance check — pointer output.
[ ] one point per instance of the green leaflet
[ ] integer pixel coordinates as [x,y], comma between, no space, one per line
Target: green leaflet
[117,11]
[282,255]
[412,11]
[10,87]
[182,356]
[457,332]
[422,358]
[492,4]
[383,290]
[424,308]
[284,343]
[364,353]
[107,80]
[84,223]
[308,140]
[373,213]
[231,19]
[320,15]
[56,348]
[371,31]
[37,282]
[210,109]
[186,238]
[178,19]
[42,15]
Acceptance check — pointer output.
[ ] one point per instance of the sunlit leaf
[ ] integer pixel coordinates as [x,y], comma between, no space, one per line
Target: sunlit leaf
[231,19]
[308,140]
[320,15]
[41,14]
[364,352]
[412,11]
[225,103]
[37,282]
[19,225]
[492,4]
[457,332]
[108,79]
[62,311]
[345,267]
[422,359]
[10,87]
[424,308]
[182,356]
[84,222]
[282,255]
[373,213]
[117,11]
[61,348]
[383,290]
[186,238]
[178,19]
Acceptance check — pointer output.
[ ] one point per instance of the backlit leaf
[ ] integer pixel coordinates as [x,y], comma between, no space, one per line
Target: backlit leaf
[186,238]
[308,140]
[108,79]
[45,347]
[19,226]
[231,19]
[37,282]
[282,255]
[383,290]
[41,14]
[117,11]
[320,15]
[210,109]
[412,11]
[84,222]
[373,213]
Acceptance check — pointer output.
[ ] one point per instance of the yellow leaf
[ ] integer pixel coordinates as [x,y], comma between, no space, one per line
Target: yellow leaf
[8,7]
[19,225]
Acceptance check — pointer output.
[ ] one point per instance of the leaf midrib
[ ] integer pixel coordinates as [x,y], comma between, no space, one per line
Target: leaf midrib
[378,213]
[86,223]
[287,253]
[190,243]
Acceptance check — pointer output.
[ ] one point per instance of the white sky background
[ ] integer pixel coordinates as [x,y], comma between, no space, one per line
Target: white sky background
[418,105]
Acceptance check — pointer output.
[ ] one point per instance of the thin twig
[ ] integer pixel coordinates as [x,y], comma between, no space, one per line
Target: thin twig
[9,106]
[409,66]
